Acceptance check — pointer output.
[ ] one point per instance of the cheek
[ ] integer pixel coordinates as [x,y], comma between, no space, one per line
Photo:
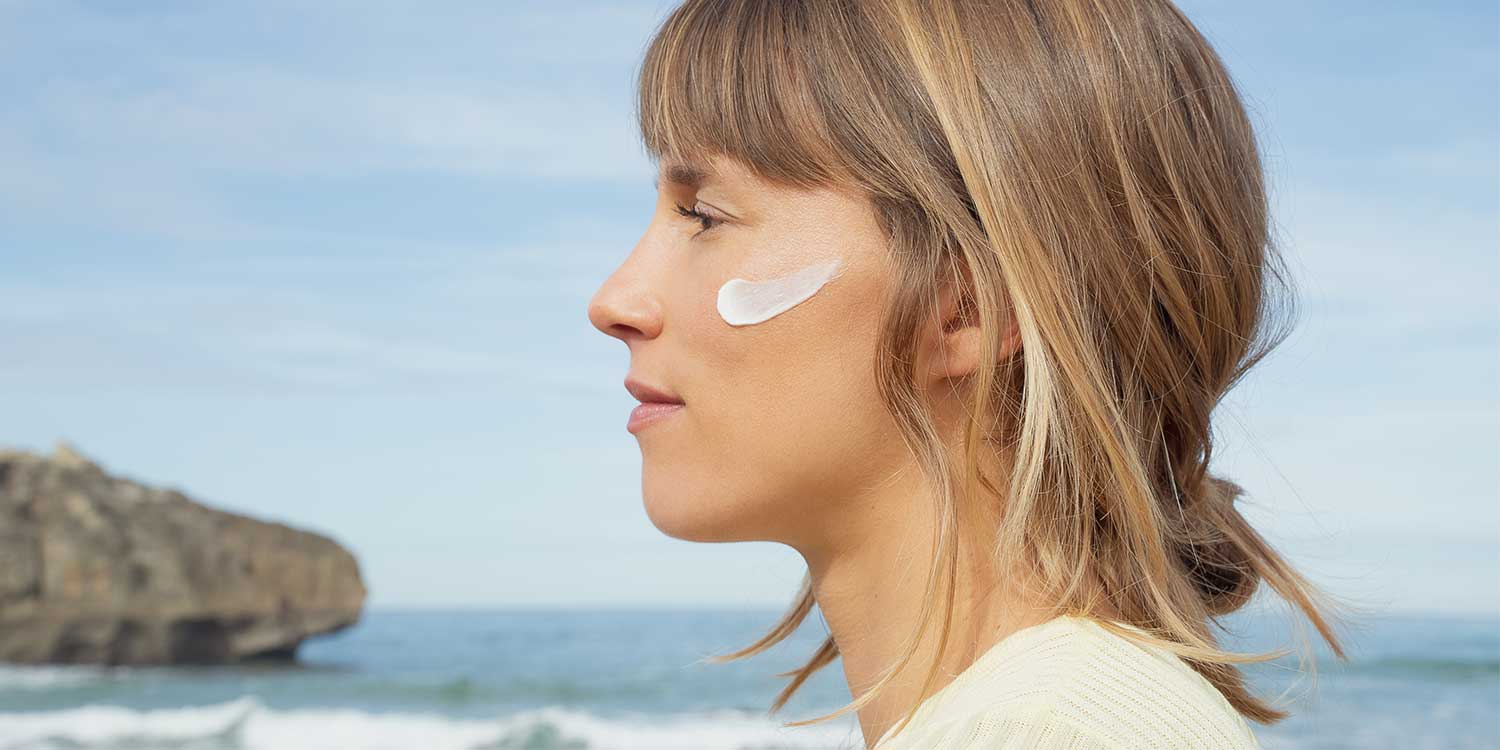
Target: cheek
[742,302]
[783,419]
[792,409]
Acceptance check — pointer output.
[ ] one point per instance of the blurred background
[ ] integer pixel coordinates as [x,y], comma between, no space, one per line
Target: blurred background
[327,265]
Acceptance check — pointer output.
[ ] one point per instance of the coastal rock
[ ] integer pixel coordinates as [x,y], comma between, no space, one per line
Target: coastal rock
[100,569]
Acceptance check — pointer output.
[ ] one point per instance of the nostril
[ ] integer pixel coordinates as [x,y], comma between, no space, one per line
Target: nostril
[623,331]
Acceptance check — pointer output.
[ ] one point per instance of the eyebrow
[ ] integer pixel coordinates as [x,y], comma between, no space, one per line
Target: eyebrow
[690,175]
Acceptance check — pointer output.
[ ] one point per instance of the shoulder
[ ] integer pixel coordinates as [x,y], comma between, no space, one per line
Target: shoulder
[1140,695]
[1076,684]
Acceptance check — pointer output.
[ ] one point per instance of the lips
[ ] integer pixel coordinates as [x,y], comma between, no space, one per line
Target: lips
[656,404]
[650,394]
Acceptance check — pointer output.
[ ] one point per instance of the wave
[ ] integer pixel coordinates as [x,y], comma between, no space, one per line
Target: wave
[458,691]
[77,684]
[1461,670]
[1399,671]
[247,724]
[50,677]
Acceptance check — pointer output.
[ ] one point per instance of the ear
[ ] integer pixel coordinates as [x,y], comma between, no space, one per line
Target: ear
[954,340]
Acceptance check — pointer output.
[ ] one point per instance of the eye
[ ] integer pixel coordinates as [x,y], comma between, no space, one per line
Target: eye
[706,220]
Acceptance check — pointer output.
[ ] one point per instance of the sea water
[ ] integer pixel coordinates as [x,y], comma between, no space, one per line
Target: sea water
[587,680]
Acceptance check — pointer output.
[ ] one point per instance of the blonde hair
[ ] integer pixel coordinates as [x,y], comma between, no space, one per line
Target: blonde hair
[1084,169]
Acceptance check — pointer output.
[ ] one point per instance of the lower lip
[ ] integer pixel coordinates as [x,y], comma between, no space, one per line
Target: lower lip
[650,413]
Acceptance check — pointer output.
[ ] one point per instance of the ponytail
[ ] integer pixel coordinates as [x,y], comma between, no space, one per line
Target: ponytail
[1219,548]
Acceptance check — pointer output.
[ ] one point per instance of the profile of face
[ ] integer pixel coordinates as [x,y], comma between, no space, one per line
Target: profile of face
[761,316]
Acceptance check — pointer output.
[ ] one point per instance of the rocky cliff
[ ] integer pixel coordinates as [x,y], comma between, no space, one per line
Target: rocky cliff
[100,569]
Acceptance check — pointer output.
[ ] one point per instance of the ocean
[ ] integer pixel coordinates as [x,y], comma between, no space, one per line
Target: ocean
[587,680]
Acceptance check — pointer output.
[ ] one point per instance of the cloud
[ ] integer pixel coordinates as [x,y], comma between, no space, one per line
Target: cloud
[156,142]
[412,318]
[288,123]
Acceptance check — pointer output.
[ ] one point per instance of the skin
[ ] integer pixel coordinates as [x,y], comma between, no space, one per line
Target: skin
[784,437]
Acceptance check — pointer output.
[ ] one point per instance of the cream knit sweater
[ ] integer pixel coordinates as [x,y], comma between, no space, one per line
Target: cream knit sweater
[1069,684]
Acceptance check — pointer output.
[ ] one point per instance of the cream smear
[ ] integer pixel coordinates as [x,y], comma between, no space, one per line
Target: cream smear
[743,302]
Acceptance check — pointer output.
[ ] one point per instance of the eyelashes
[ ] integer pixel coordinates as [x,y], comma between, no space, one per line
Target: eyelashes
[708,222]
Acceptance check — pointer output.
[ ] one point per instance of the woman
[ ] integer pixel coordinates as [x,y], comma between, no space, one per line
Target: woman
[942,294]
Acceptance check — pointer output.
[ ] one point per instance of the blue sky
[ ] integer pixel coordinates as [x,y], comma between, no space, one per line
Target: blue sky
[328,263]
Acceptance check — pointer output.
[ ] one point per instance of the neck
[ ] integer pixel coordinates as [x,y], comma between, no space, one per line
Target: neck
[870,587]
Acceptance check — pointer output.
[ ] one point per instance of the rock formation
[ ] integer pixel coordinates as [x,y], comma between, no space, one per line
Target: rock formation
[99,569]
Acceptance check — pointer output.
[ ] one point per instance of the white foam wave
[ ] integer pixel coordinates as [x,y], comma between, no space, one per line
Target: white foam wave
[13,677]
[246,724]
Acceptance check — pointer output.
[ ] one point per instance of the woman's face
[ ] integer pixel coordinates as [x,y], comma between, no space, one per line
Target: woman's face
[781,426]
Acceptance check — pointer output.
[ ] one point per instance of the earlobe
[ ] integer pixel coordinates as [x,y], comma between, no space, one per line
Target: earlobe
[958,355]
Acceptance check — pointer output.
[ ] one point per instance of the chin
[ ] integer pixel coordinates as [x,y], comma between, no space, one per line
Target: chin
[692,515]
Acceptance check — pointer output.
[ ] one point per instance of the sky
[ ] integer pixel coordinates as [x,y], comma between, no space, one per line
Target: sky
[329,264]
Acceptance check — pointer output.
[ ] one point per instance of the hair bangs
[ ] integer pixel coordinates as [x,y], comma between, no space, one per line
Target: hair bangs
[731,79]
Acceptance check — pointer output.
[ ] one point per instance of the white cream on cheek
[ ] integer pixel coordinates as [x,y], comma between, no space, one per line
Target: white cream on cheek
[743,302]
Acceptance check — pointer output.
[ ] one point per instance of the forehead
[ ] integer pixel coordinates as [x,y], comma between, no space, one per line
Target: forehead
[689,174]
[697,172]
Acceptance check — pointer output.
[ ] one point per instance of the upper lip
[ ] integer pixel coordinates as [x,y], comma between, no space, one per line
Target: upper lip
[649,394]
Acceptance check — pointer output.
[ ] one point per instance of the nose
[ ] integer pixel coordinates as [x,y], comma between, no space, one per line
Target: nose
[625,307]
